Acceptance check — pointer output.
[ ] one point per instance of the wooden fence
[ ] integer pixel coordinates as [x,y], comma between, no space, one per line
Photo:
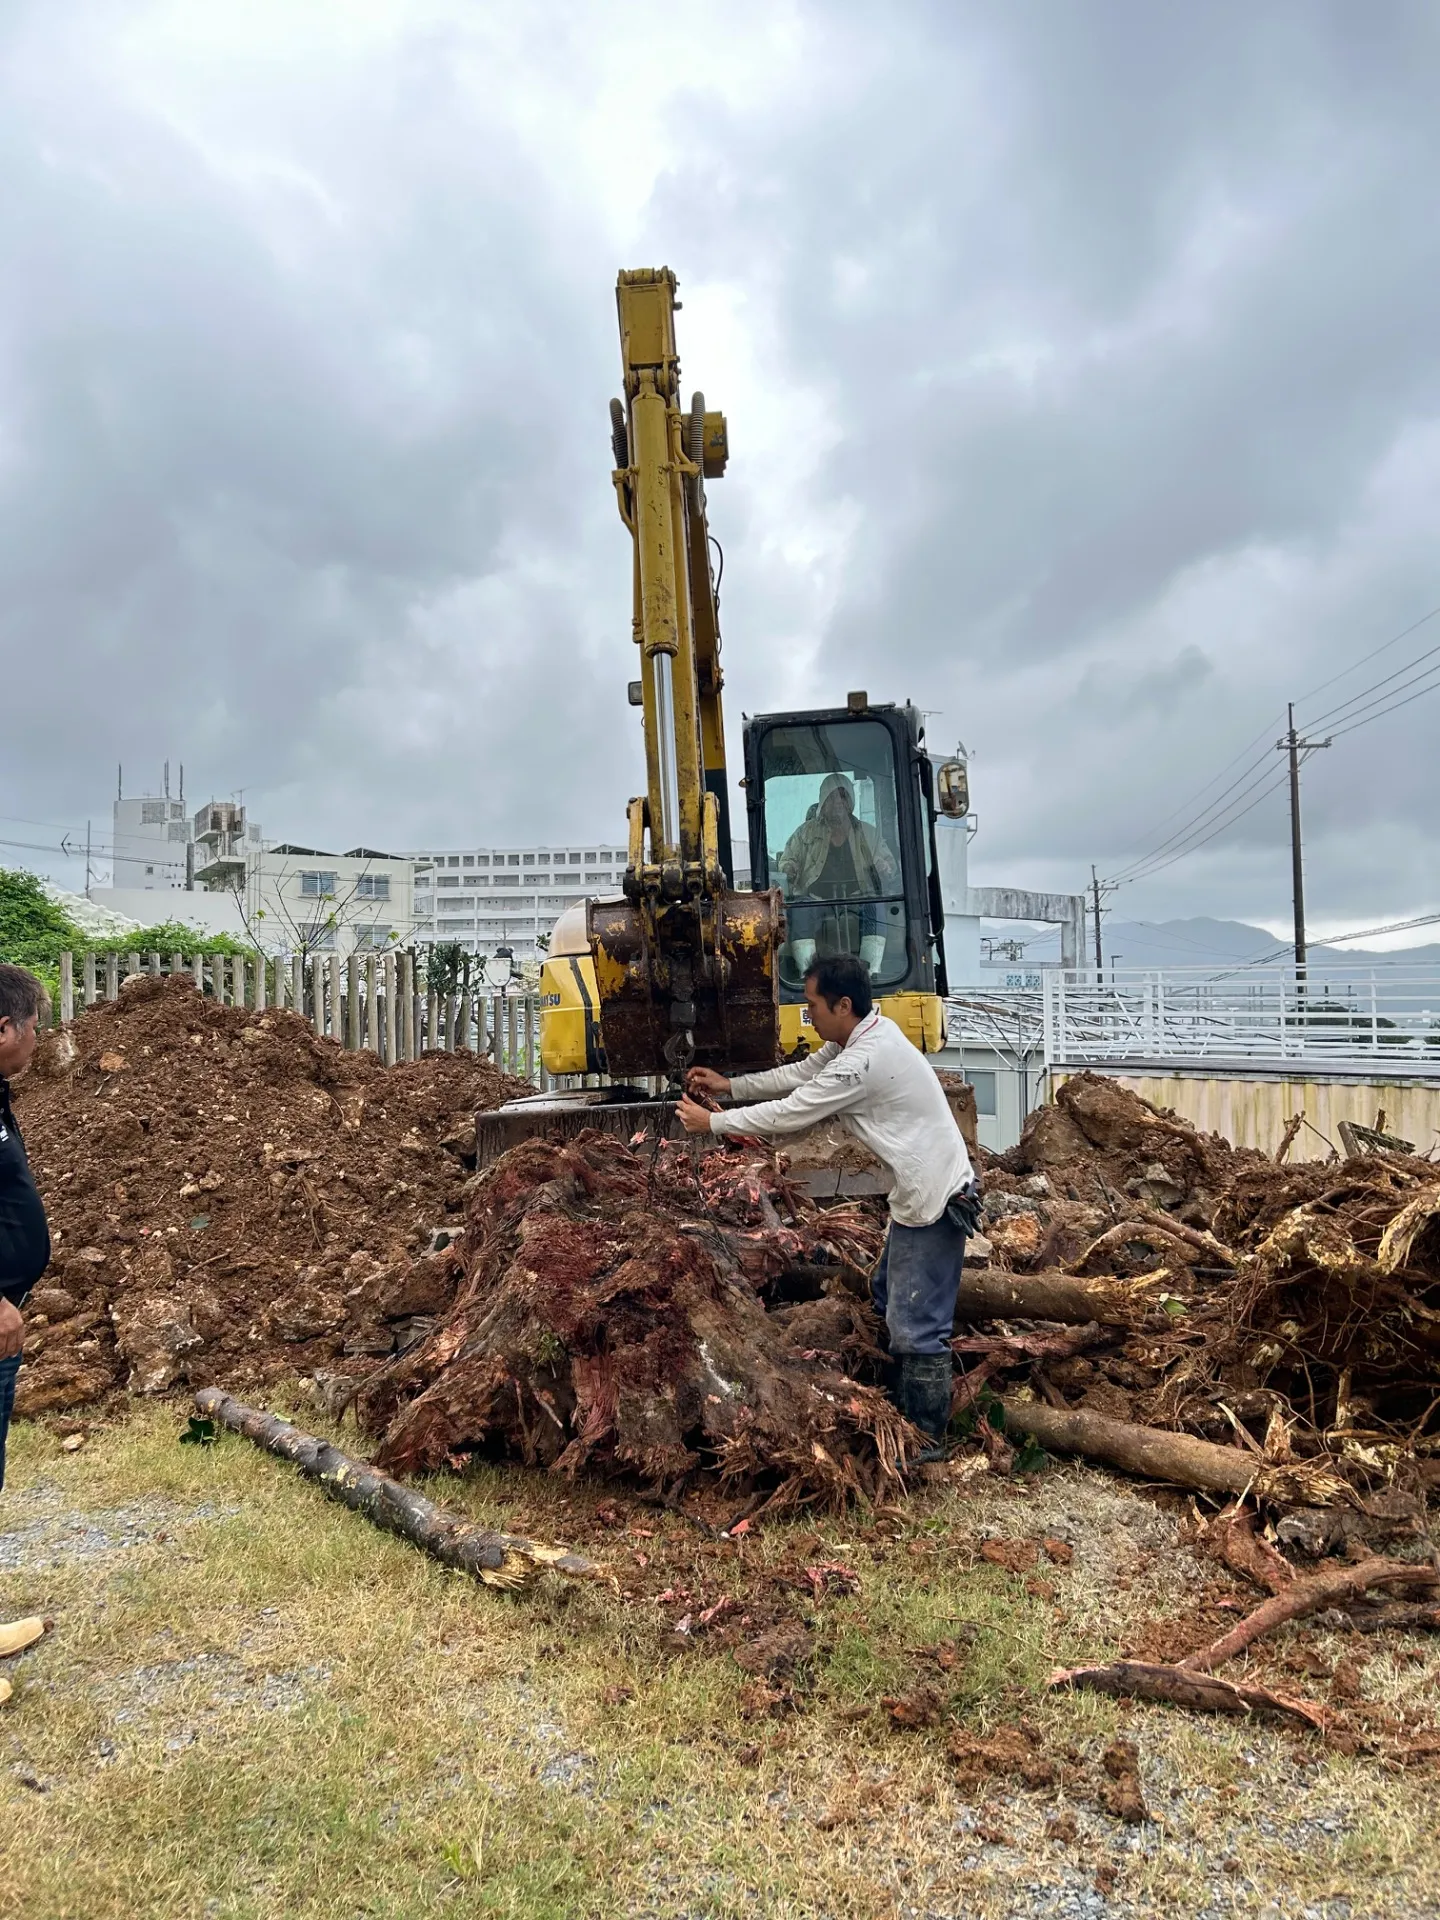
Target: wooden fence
[371,1001]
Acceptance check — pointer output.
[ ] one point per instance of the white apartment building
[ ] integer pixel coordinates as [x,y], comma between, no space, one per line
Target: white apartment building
[488,897]
[304,900]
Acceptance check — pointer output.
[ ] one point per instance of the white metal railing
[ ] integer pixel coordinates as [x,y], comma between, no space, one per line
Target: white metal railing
[1375,1019]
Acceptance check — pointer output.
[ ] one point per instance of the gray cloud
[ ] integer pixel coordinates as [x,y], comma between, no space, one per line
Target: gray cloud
[1080,365]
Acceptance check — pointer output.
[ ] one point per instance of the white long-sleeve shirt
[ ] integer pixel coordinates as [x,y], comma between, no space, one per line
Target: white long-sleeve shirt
[885,1092]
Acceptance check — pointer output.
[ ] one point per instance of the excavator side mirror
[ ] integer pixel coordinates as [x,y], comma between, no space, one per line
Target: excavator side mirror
[952,793]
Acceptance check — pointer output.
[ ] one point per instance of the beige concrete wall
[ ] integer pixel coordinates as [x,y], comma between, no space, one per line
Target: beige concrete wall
[1253,1113]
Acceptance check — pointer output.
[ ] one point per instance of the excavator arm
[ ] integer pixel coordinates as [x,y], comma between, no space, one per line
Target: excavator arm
[685,966]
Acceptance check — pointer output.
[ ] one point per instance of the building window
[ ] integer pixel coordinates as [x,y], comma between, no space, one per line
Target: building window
[529,859]
[454,859]
[514,859]
[448,880]
[590,857]
[372,939]
[318,938]
[574,859]
[469,860]
[177,831]
[152,813]
[505,879]
[317,885]
[605,856]
[601,876]
[983,1081]
[373,886]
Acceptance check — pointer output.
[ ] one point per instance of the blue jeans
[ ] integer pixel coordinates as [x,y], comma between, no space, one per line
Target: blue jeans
[8,1370]
[915,1284]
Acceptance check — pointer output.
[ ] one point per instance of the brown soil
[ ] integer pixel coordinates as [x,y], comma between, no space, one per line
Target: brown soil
[231,1198]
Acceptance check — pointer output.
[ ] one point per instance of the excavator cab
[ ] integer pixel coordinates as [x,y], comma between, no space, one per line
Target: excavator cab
[841,814]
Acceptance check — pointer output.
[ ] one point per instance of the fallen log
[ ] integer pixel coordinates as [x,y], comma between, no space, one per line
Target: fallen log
[1331,1588]
[1155,1453]
[989,1295]
[1184,1686]
[498,1559]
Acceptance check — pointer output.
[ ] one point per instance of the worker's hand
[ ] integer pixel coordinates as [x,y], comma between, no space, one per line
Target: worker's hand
[694,1119]
[706,1080]
[12,1331]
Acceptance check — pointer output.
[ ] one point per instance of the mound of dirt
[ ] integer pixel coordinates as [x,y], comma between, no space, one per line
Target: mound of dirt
[615,1311]
[231,1198]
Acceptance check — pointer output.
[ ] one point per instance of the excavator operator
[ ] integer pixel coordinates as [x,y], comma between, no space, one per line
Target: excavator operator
[834,856]
[869,1076]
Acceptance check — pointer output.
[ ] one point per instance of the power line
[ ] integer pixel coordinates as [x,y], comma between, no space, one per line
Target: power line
[1366,658]
[1188,843]
[1393,708]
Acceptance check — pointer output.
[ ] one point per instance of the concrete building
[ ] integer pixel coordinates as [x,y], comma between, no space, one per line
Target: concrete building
[488,897]
[150,838]
[305,900]
[223,840]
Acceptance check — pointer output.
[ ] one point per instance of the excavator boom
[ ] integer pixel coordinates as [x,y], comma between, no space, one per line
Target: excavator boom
[684,965]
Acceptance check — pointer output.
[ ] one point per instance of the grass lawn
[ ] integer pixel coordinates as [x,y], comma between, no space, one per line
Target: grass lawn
[253,1705]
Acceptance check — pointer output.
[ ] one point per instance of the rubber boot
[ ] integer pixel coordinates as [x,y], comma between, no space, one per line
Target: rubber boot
[924,1387]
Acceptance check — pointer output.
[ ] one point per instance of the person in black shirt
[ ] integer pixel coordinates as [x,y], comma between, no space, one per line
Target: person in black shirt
[24,1236]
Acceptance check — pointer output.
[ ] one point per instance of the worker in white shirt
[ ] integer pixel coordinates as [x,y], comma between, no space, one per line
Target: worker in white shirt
[881,1087]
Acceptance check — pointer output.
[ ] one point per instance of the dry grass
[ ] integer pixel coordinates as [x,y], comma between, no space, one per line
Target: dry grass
[254,1705]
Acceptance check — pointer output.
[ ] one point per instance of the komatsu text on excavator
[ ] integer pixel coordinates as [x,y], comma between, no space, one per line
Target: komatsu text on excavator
[840,804]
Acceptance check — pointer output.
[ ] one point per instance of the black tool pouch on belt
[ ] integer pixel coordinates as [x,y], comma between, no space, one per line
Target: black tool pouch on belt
[963,1209]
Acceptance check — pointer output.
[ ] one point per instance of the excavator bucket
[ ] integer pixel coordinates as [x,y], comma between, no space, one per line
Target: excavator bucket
[687,985]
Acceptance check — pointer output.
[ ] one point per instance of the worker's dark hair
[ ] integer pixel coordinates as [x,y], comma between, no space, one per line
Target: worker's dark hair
[22,996]
[840,976]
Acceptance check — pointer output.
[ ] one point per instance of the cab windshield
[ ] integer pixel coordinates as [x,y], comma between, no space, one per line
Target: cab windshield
[832,836]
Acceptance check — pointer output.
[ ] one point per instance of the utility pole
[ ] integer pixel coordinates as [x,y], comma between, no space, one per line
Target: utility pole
[1295,747]
[1095,887]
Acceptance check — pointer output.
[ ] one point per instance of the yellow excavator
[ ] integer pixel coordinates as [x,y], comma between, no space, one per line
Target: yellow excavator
[841,805]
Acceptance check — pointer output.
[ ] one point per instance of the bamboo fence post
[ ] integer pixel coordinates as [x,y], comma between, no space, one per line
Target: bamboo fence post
[297,983]
[337,1015]
[112,976]
[317,996]
[261,983]
[132,965]
[432,1019]
[87,979]
[197,967]
[407,1006]
[67,988]
[237,981]
[462,1038]
[352,1002]
[452,1020]
[372,1009]
[512,1023]
[154,963]
[177,964]
[392,1025]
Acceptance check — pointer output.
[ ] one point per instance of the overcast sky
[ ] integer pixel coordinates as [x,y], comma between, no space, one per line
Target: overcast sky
[1081,359]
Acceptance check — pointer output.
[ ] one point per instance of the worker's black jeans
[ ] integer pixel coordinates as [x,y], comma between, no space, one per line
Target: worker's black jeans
[915,1284]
